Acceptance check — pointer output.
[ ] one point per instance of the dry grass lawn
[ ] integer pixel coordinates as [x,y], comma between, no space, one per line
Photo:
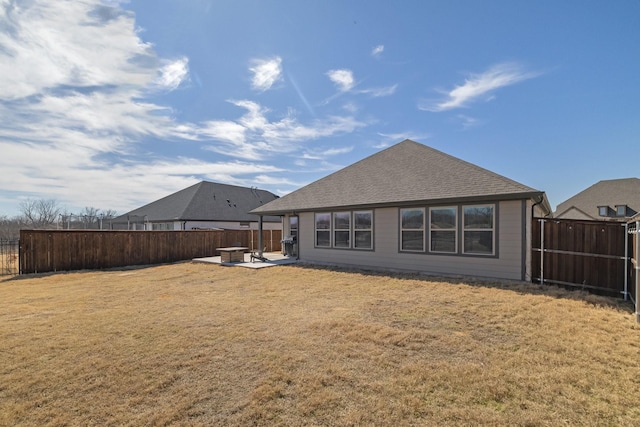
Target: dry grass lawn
[195,344]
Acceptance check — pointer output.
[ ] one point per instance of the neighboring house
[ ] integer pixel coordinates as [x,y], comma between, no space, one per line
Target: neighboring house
[206,205]
[609,200]
[413,208]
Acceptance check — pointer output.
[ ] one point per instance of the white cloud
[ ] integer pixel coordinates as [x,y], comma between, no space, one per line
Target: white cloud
[467,121]
[343,79]
[79,123]
[173,74]
[265,73]
[377,92]
[479,85]
[322,154]
[377,51]
[44,45]
[254,137]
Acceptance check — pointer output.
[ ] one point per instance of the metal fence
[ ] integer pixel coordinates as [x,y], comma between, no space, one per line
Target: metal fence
[9,257]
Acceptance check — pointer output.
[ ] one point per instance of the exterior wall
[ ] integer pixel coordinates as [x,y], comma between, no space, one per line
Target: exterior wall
[512,247]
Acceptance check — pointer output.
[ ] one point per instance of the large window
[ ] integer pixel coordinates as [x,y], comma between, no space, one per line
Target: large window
[341,229]
[344,230]
[363,230]
[442,229]
[478,229]
[412,229]
[323,229]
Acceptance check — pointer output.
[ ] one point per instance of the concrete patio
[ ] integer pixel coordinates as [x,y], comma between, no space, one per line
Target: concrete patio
[273,259]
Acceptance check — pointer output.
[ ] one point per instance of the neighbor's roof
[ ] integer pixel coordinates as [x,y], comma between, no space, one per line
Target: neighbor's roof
[206,201]
[609,192]
[405,173]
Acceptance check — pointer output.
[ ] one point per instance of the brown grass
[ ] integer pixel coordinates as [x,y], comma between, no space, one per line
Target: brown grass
[196,344]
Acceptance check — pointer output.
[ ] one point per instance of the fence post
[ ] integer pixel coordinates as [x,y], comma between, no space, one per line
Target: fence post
[541,251]
[637,271]
[626,260]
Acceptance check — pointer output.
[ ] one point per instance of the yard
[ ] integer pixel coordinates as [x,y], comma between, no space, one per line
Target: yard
[196,344]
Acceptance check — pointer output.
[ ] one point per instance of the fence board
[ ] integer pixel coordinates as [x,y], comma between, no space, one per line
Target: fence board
[66,250]
[588,254]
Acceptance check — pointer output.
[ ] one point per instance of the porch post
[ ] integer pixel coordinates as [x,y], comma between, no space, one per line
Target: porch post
[260,247]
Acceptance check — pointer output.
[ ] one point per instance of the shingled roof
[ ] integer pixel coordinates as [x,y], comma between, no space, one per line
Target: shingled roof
[611,192]
[403,174]
[206,201]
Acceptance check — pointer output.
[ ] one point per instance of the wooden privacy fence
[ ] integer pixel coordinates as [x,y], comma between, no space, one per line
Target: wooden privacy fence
[66,250]
[592,255]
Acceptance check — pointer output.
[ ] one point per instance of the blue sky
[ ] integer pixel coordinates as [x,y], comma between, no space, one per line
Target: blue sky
[114,104]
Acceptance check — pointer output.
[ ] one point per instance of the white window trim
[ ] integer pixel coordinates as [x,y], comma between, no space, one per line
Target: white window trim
[493,230]
[455,230]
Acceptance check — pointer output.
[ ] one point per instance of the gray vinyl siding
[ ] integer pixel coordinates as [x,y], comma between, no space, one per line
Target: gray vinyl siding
[507,264]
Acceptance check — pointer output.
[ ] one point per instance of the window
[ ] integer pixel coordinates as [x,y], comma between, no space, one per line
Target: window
[363,230]
[442,229]
[245,224]
[412,229]
[341,229]
[323,229]
[621,210]
[478,229]
[603,210]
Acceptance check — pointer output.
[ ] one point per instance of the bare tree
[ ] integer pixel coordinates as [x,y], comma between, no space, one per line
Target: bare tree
[40,213]
[9,228]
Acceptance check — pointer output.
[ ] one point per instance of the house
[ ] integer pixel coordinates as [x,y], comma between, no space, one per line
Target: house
[609,200]
[206,205]
[413,208]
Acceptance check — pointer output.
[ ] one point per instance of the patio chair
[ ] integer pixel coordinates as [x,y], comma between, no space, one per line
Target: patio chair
[259,255]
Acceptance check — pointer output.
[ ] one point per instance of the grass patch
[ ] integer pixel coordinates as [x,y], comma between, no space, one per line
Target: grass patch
[196,344]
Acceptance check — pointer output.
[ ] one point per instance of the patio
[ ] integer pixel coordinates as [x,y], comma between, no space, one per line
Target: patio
[273,259]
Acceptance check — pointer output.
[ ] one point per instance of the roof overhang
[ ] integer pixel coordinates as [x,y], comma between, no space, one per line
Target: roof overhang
[539,198]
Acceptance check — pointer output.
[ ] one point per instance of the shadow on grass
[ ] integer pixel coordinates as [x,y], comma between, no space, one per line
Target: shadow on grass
[520,287]
[56,273]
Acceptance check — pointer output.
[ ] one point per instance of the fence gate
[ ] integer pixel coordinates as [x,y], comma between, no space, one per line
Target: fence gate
[592,255]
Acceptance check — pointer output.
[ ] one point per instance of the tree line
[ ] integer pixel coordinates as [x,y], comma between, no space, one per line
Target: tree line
[42,214]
